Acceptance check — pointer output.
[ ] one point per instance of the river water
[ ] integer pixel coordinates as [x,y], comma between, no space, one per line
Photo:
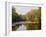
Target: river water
[21,28]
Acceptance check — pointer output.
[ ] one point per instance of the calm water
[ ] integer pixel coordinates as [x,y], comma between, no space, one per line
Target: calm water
[21,27]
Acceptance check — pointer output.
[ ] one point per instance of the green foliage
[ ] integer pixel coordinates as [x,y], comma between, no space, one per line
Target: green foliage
[34,16]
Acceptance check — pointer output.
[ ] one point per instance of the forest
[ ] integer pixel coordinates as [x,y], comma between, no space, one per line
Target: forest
[34,16]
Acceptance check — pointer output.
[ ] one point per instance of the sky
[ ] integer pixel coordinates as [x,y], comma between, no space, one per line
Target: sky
[24,9]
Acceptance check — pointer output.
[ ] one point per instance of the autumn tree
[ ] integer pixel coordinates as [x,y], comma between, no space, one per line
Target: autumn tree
[34,16]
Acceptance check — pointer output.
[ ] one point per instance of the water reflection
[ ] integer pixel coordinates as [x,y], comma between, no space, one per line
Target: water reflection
[31,26]
[21,27]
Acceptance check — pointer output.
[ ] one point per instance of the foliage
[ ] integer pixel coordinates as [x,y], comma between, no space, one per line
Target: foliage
[15,16]
[34,16]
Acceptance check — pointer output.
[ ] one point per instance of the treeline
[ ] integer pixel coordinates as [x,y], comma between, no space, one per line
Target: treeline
[15,16]
[34,16]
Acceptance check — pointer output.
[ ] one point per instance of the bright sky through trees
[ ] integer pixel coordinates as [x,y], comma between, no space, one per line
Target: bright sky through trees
[24,9]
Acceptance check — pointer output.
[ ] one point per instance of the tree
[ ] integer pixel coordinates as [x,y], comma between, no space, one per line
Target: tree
[34,16]
[15,16]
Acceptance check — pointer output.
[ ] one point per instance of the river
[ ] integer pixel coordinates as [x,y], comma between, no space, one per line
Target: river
[21,28]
